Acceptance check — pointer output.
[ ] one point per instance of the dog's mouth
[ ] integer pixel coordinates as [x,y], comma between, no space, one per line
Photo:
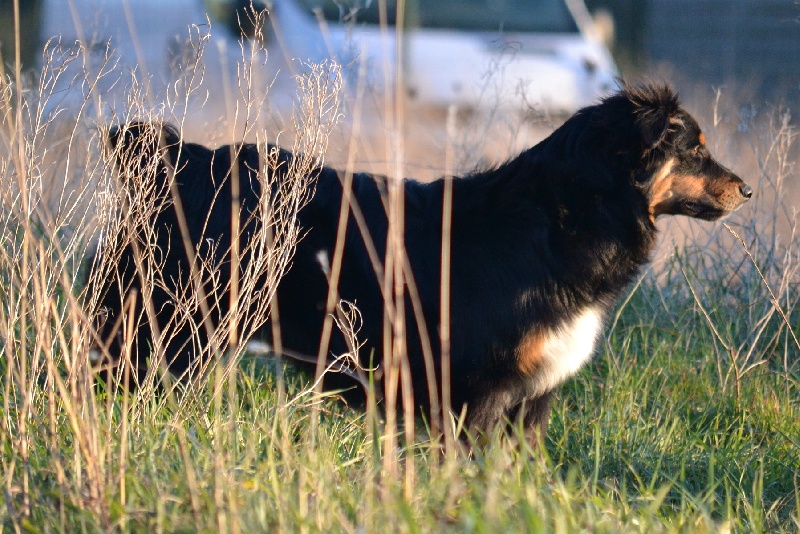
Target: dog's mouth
[710,210]
[702,210]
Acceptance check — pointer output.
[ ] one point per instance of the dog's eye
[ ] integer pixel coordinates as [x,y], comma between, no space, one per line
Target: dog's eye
[696,151]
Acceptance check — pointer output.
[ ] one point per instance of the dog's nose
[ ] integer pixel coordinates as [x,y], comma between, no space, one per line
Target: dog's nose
[746,190]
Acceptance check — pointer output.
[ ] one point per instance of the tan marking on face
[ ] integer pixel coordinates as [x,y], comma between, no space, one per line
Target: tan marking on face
[666,185]
[661,190]
[702,139]
[690,186]
[727,193]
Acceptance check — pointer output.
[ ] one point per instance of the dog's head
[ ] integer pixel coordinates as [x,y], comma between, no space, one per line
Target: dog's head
[679,176]
[142,148]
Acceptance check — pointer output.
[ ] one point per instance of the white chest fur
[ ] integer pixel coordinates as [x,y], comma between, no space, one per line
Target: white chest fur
[547,357]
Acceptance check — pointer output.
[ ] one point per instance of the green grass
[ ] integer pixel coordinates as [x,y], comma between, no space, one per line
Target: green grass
[646,439]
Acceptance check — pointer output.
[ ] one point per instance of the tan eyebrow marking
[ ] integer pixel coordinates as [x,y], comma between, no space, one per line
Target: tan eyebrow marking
[702,138]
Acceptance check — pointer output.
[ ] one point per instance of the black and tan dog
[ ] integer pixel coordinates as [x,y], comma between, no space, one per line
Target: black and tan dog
[540,249]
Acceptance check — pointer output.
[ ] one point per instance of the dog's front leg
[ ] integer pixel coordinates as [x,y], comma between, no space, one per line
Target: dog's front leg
[535,416]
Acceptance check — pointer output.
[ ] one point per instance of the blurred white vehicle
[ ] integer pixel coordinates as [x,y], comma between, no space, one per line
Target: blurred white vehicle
[472,53]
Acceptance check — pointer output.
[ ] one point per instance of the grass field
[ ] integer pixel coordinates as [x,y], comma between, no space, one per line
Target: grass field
[688,419]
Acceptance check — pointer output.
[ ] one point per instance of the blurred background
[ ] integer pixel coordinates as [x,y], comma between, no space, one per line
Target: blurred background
[712,42]
[534,60]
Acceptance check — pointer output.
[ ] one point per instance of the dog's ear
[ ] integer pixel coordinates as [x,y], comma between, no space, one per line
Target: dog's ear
[140,147]
[653,107]
[653,127]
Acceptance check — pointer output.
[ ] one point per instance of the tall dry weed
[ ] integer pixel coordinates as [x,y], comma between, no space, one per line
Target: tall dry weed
[61,202]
